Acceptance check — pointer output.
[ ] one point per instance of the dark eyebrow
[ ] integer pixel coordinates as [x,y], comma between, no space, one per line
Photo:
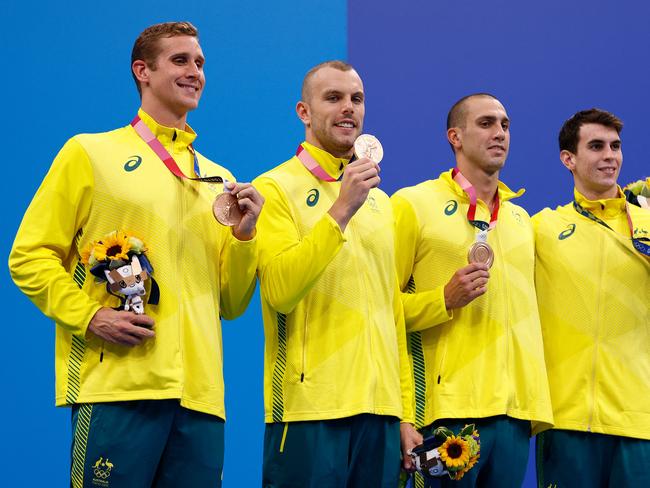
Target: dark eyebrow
[601,141]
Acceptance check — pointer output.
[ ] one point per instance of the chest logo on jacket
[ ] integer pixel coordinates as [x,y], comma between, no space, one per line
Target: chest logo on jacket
[450,207]
[312,197]
[568,232]
[133,163]
[372,203]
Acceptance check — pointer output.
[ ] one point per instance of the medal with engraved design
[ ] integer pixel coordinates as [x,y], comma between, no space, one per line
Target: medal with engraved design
[226,209]
[367,146]
[480,251]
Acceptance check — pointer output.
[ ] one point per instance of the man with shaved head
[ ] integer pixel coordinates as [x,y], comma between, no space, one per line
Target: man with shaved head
[465,262]
[337,381]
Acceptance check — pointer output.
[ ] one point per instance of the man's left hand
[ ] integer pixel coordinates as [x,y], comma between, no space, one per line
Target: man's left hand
[250,203]
[410,438]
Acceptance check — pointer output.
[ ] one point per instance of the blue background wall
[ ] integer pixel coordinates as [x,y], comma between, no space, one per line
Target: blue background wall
[543,60]
[67,71]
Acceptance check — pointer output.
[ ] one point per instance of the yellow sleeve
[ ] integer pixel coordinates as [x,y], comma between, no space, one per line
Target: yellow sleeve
[422,309]
[44,244]
[406,378]
[238,267]
[289,264]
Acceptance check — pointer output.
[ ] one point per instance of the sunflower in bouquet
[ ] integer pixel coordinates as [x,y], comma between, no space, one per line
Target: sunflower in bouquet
[448,453]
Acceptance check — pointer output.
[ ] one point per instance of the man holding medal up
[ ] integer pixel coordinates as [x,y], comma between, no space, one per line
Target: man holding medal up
[593,288]
[337,380]
[465,262]
[146,389]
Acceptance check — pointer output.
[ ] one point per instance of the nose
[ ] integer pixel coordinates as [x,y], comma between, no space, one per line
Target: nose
[610,154]
[500,133]
[348,106]
[193,70]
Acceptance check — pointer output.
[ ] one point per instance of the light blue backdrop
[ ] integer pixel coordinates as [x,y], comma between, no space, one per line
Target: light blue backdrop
[68,71]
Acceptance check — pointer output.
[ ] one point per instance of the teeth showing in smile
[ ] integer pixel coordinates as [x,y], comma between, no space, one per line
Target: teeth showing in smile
[347,125]
[188,87]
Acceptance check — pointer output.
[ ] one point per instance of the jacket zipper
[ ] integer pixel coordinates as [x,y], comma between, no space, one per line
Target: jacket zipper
[304,347]
[506,310]
[181,213]
[592,408]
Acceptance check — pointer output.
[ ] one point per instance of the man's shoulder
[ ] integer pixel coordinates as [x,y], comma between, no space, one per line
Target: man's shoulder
[516,209]
[215,169]
[289,167]
[548,214]
[88,140]
[425,190]
[550,221]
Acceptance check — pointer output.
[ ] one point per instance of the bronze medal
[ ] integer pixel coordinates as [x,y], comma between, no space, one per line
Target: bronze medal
[481,252]
[226,210]
[367,146]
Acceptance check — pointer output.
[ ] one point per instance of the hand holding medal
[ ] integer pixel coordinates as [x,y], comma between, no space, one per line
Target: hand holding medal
[225,208]
[238,207]
[367,146]
[360,175]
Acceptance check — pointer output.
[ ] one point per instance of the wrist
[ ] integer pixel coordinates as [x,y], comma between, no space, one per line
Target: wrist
[340,214]
[244,235]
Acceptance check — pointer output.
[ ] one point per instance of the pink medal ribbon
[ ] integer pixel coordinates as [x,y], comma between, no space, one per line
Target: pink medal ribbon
[310,163]
[147,136]
[471,211]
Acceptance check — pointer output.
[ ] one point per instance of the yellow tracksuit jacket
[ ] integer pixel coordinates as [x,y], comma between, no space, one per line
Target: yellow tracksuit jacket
[486,358]
[333,319]
[99,183]
[593,292]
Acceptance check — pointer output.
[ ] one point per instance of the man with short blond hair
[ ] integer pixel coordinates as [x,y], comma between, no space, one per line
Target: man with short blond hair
[336,372]
[146,390]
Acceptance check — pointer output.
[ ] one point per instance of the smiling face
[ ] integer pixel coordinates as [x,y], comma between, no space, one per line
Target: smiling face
[333,110]
[597,161]
[482,140]
[173,84]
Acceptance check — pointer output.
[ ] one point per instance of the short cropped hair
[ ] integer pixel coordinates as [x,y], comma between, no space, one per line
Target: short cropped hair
[570,131]
[458,113]
[336,64]
[147,47]
[457,116]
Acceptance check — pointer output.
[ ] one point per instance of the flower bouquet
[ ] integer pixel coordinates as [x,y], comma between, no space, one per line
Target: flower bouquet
[119,260]
[446,453]
[638,193]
